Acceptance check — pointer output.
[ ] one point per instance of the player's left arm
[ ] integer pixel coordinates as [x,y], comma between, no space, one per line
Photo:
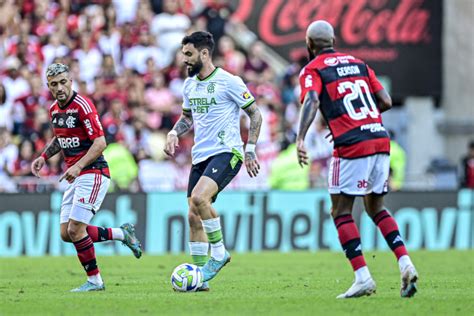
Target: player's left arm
[251,161]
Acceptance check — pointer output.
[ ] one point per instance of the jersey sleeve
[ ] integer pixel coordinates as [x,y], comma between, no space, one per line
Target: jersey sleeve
[239,93]
[375,84]
[90,119]
[186,105]
[310,81]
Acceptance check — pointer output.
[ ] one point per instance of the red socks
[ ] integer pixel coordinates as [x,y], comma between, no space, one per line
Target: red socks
[389,229]
[99,234]
[86,253]
[350,240]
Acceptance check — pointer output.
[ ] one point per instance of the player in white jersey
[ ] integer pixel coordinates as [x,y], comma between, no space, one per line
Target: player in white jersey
[212,99]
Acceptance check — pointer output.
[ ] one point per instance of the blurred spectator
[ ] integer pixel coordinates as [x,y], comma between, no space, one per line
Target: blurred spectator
[136,56]
[467,168]
[216,14]
[169,28]
[126,10]
[14,83]
[122,165]
[230,58]
[53,49]
[89,57]
[6,109]
[397,164]
[286,173]
[8,156]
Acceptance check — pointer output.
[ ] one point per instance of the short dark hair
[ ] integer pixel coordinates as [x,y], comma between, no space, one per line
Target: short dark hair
[200,40]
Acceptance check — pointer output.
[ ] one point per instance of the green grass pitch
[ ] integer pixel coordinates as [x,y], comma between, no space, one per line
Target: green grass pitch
[298,283]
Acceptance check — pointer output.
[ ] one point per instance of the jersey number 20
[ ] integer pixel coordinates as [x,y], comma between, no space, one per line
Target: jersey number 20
[359,89]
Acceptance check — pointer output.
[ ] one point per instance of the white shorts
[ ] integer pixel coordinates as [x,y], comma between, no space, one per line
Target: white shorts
[359,176]
[83,198]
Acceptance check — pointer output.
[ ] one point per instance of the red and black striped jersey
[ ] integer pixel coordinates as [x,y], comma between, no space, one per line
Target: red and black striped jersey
[346,87]
[75,126]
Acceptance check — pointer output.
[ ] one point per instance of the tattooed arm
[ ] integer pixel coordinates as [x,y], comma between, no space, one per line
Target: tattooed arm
[308,112]
[182,126]
[251,161]
[51,149]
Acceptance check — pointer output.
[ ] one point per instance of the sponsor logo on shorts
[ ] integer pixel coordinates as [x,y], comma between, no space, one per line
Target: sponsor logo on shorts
[362,184]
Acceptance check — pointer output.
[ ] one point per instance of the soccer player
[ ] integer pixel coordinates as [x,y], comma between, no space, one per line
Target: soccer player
[79,135]
[351,99]
[212,98]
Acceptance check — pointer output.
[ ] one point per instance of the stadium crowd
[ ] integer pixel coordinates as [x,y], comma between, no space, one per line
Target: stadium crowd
[125,56]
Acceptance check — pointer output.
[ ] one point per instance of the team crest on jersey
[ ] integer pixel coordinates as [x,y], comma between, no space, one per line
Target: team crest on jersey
[71,121]
[61,121]
[211,87]
[246,95]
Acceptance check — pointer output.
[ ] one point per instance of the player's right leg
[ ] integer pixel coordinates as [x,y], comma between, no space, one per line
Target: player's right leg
[388,227]
[344,178]
[198,243]
[350,241]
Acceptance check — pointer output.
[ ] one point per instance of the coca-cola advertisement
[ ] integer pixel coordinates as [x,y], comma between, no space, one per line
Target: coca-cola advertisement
[400,39]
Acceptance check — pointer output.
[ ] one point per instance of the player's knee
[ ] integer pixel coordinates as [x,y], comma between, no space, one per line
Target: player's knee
[74,230]
[198,201]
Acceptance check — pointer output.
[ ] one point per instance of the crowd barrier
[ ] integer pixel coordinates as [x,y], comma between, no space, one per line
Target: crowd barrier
[252,221]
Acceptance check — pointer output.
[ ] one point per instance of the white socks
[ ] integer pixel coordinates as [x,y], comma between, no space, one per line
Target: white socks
[403,262]
[362,274]
[218,250]
[212,227]
[198,248]
[117,234]
[96,279]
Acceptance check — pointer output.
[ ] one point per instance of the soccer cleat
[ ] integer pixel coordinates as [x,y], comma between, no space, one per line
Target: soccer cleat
[212,267]
[89,287]
[130,240]
[409,278]
[204,287]
[360,289]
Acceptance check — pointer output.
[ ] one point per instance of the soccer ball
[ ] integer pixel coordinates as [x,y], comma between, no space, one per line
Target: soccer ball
[186,278]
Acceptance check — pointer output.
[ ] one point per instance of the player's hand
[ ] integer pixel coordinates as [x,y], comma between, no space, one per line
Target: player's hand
[71,174]
[251,163]
[302,153]
[172,142]
[36,166]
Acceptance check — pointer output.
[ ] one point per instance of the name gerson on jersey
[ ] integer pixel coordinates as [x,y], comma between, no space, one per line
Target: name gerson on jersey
[75,126]
[346,87]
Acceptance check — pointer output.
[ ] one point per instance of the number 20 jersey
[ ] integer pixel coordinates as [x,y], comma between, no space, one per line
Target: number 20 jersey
[75,126]
[346,87]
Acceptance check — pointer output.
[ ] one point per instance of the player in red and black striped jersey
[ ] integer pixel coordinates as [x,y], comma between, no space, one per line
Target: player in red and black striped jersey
[79,136]
[351,100]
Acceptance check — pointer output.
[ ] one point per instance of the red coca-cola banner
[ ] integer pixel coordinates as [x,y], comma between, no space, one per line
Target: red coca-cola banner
[400,39]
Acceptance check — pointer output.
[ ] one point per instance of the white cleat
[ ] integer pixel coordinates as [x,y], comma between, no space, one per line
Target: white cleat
[409,278]
[360,289]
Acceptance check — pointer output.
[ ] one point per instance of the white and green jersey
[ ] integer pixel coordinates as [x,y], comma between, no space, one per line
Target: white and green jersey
[215,103]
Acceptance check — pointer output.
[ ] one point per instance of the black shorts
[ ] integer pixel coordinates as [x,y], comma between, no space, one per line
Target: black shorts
[221,168]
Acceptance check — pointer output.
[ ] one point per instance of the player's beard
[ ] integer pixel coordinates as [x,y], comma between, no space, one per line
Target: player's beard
[62,97]
[196,68]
